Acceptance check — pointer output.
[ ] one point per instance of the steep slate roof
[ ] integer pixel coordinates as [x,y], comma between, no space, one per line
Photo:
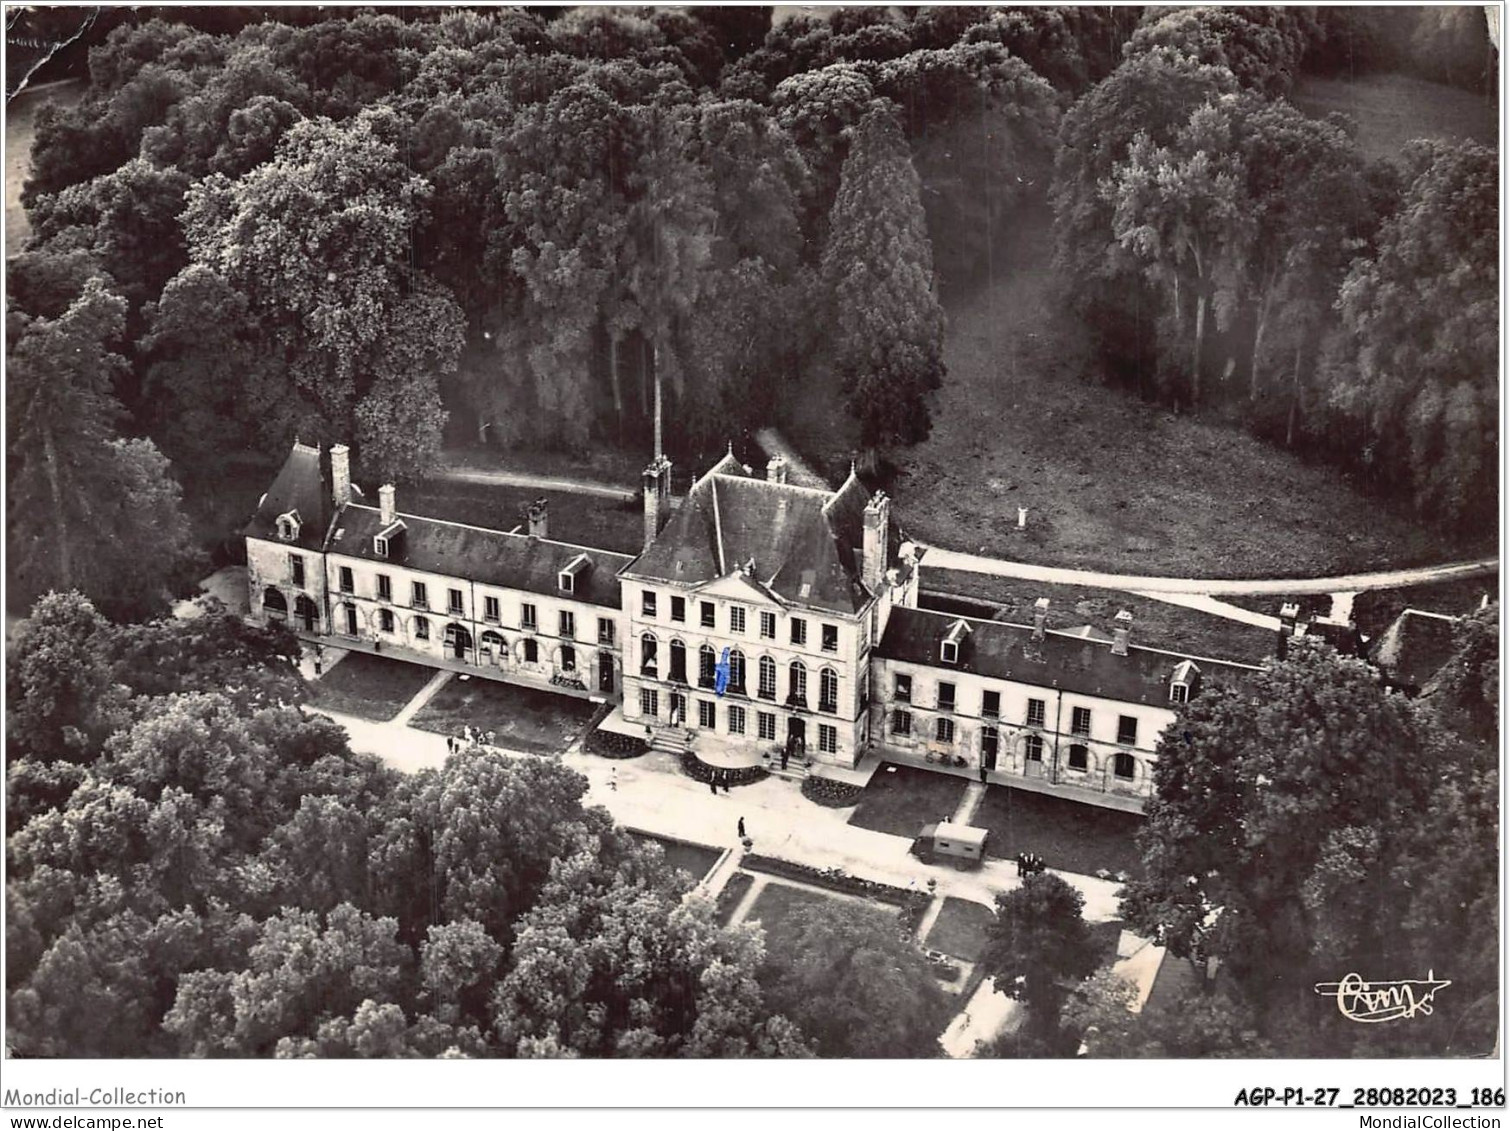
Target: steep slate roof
[1413,649]
[300,486]
[805,543]
[1061,660]
[488,557]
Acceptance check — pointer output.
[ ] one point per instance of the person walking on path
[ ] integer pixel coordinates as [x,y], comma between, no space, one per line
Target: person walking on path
[741,828]
[727,775]
[713,782]
[613,780]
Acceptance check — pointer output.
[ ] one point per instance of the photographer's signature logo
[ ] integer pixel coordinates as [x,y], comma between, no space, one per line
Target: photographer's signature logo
[1373,1002]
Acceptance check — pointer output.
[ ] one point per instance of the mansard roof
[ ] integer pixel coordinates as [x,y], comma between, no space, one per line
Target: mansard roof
[1061,660]
[488,557]
[1415,647]
[300,488]
[805,543]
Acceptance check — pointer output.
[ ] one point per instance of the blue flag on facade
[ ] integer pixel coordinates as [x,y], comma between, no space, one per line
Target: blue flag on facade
[721,673]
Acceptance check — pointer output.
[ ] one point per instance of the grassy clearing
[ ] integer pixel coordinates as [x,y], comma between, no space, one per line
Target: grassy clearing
[900,800]
[696,860]
[961,929]
[370,687]
[776,903]
[586,520]
[523,718]
[1156,624]
[1110,482]
[1069,835]
[1392,109]
[730,895]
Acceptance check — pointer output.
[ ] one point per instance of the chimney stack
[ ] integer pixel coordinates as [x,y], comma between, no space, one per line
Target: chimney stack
[538,515]
[387,506]
[1121,632]
[657,482]
[877,533]
[1289,616]
[775,470]
[1040,617]
[340,474]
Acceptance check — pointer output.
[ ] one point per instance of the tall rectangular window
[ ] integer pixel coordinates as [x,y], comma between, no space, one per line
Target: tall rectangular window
[647,603]
[650,702]
[903,691]
[990,704]
[527,616]
[799,632]
[1079,756]
[567,623]
[1080,720]
[707,613]
[1035,712]
[490,610]
[455,605]
[605,630]
[419,596]
[1127,730]
[568,658]
[531,650]
[901,723]
[348,583]
[705,714]
[946,697]
[296,569]
[830,638]
[736,720]
[385,619]
[767,722]
[768,626]
[737,619]
[679,609]
[944,730]
[385,587]
[421,628]
[828,738]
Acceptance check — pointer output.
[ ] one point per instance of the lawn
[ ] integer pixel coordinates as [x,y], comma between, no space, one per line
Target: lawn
[730,896]
[900,800]
[696,860]
[586,520]
[1109,481]
[777,901]
[370,687]
[1069,835]
[1157,624]
[523,718]
[960,930]
[1392,109]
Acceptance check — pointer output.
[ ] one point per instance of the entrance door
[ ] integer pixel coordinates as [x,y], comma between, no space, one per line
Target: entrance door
[351,620]
[460,640]
[678,709]
[988,745]
[306,612]
[796,735]
[605,671]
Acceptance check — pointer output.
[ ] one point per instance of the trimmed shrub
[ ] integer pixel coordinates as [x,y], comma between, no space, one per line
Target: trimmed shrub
[699,770]
[608,744]
[831,794]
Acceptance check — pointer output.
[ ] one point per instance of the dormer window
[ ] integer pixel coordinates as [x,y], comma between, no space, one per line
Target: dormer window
[949,649]
[566,580]
[1184,682]
[382,542]
[288,526]
[380,546]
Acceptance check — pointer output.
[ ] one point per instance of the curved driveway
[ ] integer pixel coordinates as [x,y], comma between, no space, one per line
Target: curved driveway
[936,557]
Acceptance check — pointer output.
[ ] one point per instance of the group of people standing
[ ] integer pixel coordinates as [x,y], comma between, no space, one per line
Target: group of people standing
[466,736]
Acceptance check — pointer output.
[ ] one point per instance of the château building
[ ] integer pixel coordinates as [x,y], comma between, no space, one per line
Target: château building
[805,599]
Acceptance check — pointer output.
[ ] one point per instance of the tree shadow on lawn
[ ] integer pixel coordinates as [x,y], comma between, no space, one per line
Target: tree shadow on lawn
[521,718]
[900,800]
[370,687]
[1070,835]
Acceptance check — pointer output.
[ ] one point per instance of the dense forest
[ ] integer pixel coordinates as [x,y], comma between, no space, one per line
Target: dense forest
[451,226]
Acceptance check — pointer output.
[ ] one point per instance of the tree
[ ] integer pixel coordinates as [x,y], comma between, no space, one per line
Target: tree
[317,242]
[851,984]
[1289,837]
[1038,945]
[611,962]
[1420,313]
[878,265]
[86,510]
[57,686]
[1195,1023]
